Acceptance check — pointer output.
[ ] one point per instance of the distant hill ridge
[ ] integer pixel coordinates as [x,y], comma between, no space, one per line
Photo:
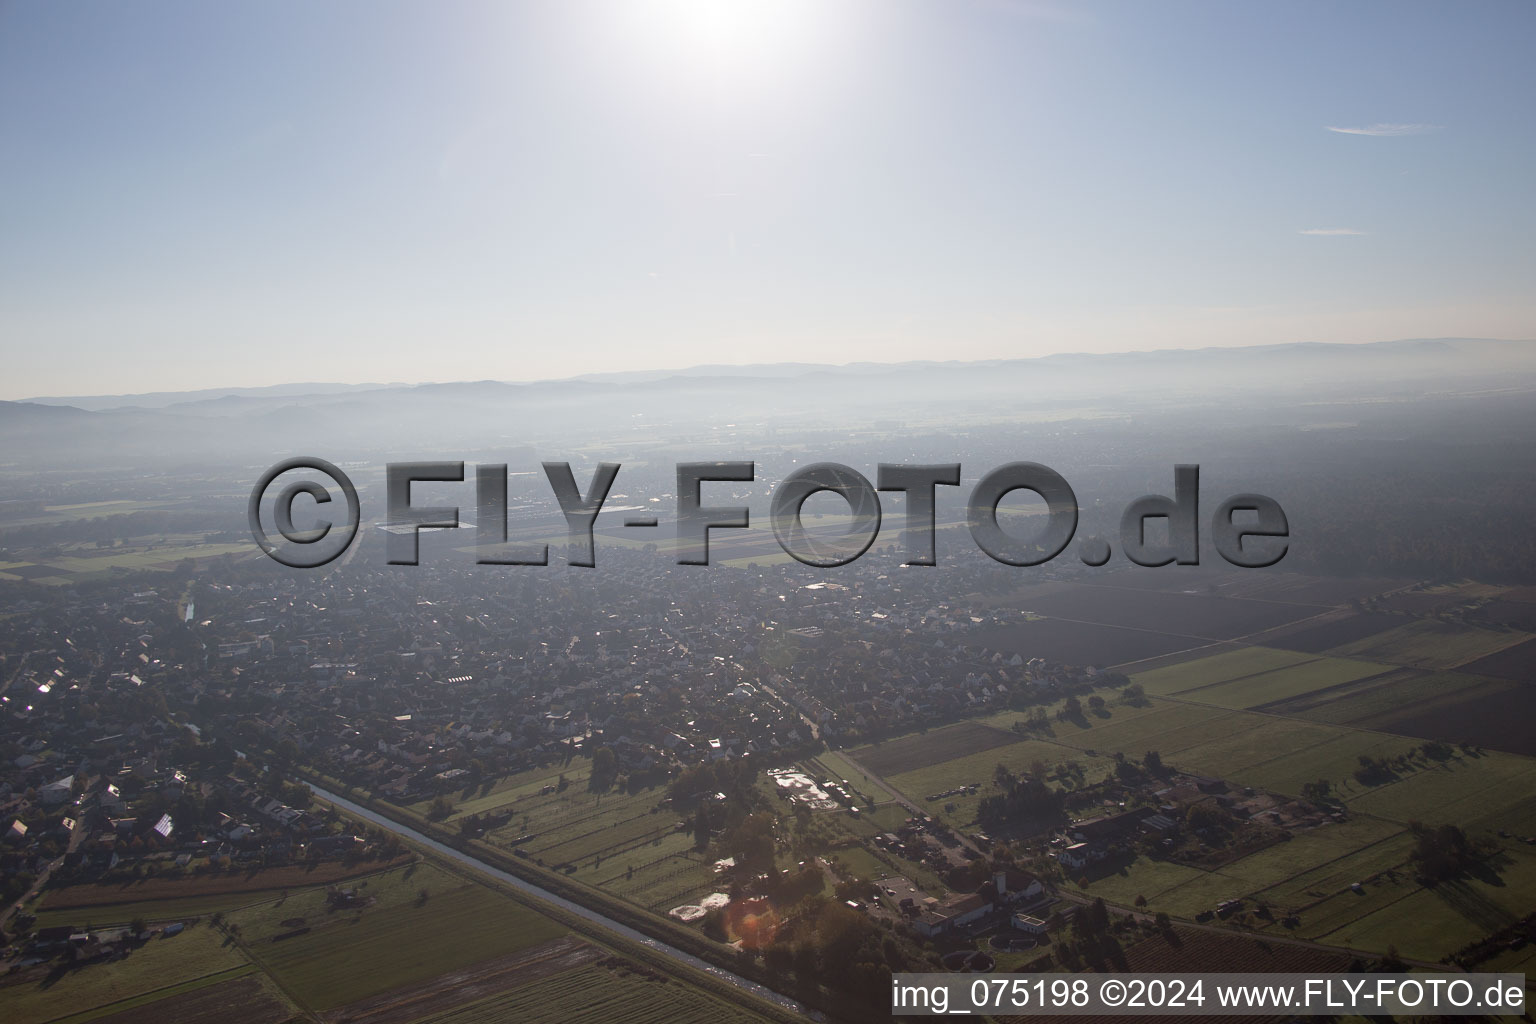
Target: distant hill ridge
[1456,354]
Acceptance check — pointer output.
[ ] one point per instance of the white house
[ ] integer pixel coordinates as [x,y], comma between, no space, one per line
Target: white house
[1015,886]
[1077,856]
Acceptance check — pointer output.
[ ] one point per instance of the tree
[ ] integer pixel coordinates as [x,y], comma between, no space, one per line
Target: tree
[1027,802]
[752,842]
[440,809]
[701,827]
[138,926]
[1441,853]
[779,958]
[806,961]
[1207,816]
[1318,790]
[605,768]
[1154,763]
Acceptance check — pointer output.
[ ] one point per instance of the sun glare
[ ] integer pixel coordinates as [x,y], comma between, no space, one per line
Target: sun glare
[732,38]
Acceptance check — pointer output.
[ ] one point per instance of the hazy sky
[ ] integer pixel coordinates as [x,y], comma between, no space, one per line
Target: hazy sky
[208,194]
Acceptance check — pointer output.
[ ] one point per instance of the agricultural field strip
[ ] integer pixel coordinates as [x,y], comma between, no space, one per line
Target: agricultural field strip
[1322,741]
[258,995]
[656,848]
[1328,879]
[213,900]
[508,790]
[396,943]
[1460,798]
[1217,668]
[1322,608]
[1341,729]
[1408,893]
[111,1010]
[1427,644]
[1319,662]
[602,852]
[1204,640]
[466,985]
[626,839]
[925,750]
[1369,688]
[163,966]
[156,994]
[1381,704]
[594,993]
[1260,890]
[557,814]
[650,874]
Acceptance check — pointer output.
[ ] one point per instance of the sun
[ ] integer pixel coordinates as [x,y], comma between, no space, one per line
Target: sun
[731,38]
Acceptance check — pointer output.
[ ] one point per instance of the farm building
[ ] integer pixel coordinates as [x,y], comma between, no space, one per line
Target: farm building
[956,911]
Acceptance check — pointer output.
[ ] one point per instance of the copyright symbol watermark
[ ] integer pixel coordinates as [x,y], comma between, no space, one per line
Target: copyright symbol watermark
[307,548]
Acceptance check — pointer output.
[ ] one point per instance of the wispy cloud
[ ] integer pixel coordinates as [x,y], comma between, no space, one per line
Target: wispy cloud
[1387,129]
[1329,231]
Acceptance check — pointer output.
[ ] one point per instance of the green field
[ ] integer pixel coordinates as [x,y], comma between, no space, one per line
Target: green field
[1490,791]
[1431,923]
[1373,701]
[1186,891]
[925,749]
[1334,756]
[1156,726]
[351,954]
[1432,644]
[598,993]
[198,955]
[1284,683]
[151,910]
[1255,677]
[1218,668]
[513,788]
[68,567]
[625,843]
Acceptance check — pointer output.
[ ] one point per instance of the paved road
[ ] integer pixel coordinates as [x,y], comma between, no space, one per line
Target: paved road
[905,801]
[75,839]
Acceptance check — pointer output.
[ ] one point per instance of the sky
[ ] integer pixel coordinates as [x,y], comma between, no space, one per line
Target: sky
[238,194]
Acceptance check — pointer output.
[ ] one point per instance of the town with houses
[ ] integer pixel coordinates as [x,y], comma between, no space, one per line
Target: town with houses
[129,711]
